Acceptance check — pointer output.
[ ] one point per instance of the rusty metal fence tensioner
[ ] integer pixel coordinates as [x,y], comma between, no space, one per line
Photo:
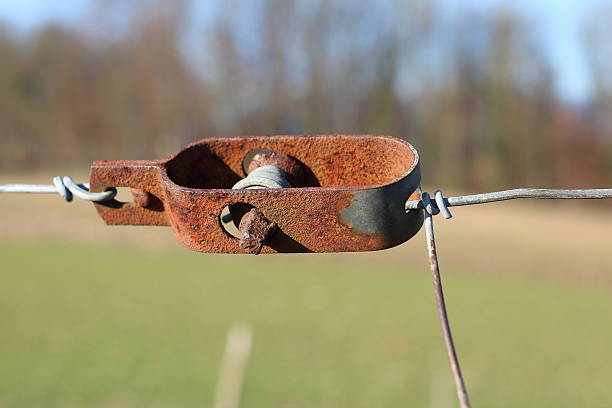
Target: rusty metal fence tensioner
[273,194]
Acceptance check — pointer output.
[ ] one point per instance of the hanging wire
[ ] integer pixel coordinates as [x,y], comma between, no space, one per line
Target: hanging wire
[64,186]
[430,210]
[440,205]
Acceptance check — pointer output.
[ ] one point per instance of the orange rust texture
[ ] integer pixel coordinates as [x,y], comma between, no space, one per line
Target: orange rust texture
[194,186]
[330,160]
[143,175]
[307,221]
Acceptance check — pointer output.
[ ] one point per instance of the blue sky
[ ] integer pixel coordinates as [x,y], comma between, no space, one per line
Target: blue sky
[559,23]
[557,20]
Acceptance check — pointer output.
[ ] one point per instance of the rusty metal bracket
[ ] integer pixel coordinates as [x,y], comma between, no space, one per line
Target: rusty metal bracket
[351,198]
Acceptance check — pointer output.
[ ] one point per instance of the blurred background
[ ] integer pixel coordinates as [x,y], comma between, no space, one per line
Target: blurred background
[494,94]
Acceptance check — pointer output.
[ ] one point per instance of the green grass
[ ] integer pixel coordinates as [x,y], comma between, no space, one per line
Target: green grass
[101,327]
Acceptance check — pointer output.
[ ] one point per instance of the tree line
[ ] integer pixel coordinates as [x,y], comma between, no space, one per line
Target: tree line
[472,90]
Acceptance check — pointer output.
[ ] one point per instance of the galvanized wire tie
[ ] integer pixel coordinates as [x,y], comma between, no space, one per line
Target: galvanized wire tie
[64,186]
[439,205]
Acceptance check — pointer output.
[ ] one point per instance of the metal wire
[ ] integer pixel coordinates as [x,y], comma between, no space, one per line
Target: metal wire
[510,195]
[64,186]
[440,205]
[430,210]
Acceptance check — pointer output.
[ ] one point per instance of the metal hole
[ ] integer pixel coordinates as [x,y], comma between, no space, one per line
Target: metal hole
[124,195]
[230,218]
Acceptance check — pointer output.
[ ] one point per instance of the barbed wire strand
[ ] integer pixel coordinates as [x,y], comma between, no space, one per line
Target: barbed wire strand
[64,186]
[439,205]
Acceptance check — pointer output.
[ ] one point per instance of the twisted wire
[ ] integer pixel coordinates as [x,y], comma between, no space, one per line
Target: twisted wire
[64,186]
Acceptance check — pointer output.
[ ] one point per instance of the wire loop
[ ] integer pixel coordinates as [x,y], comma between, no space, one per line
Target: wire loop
[82,191]
[441,203]
[437,206]
[428,205]
[62,190]
[65,187]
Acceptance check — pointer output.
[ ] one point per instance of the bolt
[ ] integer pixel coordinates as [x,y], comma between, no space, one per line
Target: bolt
[292,168]
[267,169]
[256,230]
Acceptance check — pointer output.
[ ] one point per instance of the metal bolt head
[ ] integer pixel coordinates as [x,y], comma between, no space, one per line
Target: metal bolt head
[291,167]
[256,230]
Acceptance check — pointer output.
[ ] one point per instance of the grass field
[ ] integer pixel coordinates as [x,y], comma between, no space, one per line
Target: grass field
[92,316]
